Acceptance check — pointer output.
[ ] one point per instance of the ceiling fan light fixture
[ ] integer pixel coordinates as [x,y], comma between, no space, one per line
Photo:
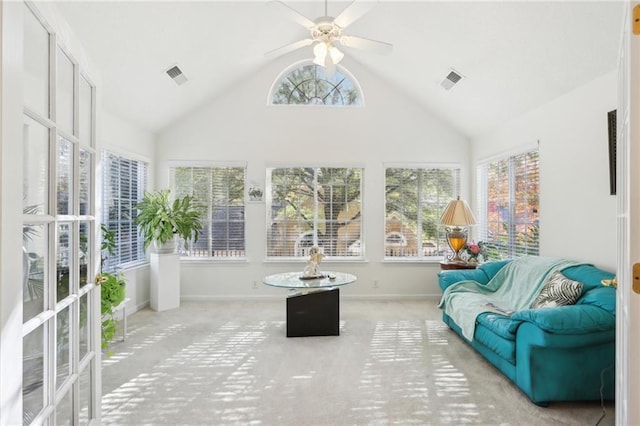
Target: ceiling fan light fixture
[326,30]
[326,55]
[320,53]
[336,54]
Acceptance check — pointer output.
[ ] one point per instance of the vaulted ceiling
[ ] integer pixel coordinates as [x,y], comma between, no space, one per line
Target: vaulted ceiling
[515,55]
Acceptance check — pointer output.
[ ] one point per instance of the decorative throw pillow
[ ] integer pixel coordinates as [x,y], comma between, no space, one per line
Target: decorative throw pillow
[558,290]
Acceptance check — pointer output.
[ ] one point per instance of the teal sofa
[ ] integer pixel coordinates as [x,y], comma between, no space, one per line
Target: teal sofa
[564,353]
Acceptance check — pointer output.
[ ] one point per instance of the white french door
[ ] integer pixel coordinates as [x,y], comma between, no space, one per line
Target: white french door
[60,302]
[628,176]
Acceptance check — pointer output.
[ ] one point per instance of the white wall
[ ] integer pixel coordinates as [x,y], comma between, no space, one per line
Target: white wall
[238,126]
[577,214]
[122,137]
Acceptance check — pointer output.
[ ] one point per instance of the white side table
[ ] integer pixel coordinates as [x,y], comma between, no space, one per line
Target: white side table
[165,281]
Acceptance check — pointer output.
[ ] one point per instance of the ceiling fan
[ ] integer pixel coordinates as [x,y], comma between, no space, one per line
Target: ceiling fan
[326,31]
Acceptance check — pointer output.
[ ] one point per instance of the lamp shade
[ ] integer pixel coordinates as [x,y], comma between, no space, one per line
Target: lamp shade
[320,52]
[336,55]
[457,213]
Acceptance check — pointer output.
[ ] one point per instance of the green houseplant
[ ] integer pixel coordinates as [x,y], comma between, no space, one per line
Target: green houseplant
[161,220]
[112,289]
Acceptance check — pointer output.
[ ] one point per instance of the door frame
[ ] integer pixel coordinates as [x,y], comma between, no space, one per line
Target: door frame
[628,176]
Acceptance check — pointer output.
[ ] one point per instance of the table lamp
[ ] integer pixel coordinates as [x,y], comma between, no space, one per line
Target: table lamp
[456,217]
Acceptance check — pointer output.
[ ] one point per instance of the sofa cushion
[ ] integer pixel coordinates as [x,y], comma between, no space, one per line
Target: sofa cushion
[602,297]
[570,319]
[501,325]
[449,277]
[504,348]
[558,290]
[590,276]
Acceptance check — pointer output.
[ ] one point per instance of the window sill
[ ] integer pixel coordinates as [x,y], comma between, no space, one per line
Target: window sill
[324,261]
[210,260]
[431,261]
[132,266]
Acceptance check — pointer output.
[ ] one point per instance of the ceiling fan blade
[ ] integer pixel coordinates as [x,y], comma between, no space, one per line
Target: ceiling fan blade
[296,16]
[366,44]
[282,50]
[353,12]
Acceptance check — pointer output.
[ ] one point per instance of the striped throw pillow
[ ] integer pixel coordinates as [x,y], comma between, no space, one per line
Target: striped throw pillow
[558,290]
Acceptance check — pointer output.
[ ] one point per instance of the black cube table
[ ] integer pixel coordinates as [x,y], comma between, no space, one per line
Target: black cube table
[313,305]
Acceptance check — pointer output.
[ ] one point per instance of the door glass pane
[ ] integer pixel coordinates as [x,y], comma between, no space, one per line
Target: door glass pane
[85,253]
[63,262]
[85,112]
[85,181]
[35,159]
[36,64]
[64,93]
[33,374]
[64,177]
[62,346]
[85,396]
[34,269]
[64,410]
[85,328]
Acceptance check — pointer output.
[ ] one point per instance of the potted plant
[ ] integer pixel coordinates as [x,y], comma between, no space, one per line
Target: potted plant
[161,220]
[112,289]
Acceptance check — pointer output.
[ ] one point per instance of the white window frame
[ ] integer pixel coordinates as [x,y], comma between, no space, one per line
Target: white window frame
[482,202]
[442,247]
[188,255]
[139,257]
[339,68]
[303,253]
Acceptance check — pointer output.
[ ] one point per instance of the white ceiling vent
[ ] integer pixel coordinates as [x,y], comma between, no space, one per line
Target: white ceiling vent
[451,79]
[177,75]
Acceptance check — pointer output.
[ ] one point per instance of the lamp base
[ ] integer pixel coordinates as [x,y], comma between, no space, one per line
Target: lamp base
[457,238]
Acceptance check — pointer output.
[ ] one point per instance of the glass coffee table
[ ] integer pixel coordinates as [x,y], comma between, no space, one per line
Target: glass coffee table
[313,304]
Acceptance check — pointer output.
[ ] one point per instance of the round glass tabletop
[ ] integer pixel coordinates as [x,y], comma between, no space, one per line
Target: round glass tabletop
[294,280]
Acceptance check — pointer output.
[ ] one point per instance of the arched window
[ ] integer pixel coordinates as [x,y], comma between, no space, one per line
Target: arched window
[306,84]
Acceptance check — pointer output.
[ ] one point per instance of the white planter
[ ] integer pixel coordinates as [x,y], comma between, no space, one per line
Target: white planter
[165,281]
[166,248]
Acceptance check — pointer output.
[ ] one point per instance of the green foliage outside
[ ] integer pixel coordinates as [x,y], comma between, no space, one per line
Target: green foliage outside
[308,85]
[419,196]
[335,188]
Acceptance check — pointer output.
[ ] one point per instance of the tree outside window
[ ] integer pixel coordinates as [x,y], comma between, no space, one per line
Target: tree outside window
[508,191]
[308,85]
[315,206]
[415,198]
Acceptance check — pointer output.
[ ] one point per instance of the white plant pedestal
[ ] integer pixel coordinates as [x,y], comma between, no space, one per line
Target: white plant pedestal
[165,281]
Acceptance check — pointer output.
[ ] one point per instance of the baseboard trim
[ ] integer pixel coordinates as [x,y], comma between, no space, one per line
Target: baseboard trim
[255,298]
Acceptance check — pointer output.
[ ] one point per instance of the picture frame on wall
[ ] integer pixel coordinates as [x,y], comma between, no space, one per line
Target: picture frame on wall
[255,193]
[611,122]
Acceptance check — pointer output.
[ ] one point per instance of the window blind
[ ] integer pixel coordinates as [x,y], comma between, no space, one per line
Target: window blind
[508,199]
[124,182]
[315,206]
[219,192]
[414,201]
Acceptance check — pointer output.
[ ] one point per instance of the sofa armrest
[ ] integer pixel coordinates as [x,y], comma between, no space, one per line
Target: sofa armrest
[572,319]
[452,276]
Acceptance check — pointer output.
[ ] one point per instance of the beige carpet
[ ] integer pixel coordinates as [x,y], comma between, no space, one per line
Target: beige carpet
[395,363]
